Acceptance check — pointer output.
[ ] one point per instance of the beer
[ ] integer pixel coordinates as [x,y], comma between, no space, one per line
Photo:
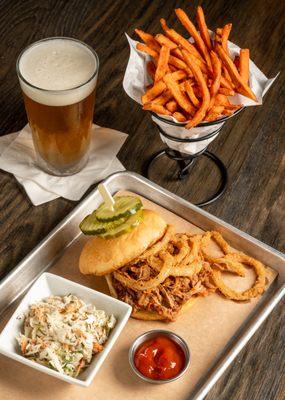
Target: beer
[58,79]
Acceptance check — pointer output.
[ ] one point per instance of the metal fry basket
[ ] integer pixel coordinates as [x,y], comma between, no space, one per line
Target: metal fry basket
[186,149]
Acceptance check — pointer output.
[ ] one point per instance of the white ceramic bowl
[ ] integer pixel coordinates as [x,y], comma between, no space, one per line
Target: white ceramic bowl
[47,285]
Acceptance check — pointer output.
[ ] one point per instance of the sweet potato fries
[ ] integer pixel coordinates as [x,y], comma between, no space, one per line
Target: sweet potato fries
[192,80]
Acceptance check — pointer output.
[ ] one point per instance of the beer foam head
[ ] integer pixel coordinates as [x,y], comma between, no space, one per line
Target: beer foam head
[58,71]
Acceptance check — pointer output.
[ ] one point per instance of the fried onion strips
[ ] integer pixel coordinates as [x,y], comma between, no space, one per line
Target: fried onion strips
[159,245]
[227,264]
[189,271]
[255,290]
[175,260]
[185,255]
[150,283]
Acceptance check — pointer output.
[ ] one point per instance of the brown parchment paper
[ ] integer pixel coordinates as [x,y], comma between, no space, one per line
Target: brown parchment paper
[207,328]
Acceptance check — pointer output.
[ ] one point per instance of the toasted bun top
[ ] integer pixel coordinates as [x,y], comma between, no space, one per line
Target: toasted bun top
[102,256]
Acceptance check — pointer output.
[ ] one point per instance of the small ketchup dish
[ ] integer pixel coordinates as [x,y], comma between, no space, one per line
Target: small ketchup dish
[159,356]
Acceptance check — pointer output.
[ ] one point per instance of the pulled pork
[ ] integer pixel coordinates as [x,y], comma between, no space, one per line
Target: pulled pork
[168,297]
[177,268]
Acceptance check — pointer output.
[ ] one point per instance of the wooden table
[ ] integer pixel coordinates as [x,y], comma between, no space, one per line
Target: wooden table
[251,145]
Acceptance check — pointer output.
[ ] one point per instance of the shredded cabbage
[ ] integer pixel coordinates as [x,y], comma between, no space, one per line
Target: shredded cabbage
[63,333]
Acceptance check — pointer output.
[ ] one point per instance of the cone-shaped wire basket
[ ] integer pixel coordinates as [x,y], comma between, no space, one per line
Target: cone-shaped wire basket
[186,151]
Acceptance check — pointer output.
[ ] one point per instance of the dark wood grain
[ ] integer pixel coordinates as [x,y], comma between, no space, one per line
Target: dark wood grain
[252,145]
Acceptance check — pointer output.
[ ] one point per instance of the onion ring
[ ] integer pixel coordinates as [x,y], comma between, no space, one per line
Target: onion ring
[220,241]
[189,271]
[183,250]
[224,263]
[155,262]
[158,246]
[179,242]
[151,283]
[184,255]
[255,290]
[196,245]
[191,248]
[227,264]
[187,261]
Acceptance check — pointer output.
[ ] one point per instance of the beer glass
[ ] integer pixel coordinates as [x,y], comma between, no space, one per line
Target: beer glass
[58,78]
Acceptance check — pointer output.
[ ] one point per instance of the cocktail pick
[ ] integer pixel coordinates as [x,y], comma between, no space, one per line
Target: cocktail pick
[106,195]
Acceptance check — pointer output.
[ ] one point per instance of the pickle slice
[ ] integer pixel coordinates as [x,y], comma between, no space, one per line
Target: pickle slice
[125,227]
[124,206]
[91,226]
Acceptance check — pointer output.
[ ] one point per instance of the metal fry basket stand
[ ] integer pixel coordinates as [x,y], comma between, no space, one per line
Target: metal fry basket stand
[176,150]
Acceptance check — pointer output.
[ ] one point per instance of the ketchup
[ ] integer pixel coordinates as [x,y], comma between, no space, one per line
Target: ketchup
[159,358]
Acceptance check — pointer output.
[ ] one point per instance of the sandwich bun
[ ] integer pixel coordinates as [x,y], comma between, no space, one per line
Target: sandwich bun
[144,314]
[102,256]
[154,316]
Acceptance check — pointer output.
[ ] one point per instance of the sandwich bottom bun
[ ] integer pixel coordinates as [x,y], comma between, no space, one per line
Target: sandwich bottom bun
[154,316]
[148,315]
[101,256]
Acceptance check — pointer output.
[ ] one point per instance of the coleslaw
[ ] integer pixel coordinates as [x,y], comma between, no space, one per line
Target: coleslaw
[63,333]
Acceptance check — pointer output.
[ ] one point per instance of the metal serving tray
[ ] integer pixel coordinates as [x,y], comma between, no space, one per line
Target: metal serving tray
[52,247]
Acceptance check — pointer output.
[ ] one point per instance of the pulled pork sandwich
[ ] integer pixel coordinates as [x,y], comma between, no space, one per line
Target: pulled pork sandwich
[154,269]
